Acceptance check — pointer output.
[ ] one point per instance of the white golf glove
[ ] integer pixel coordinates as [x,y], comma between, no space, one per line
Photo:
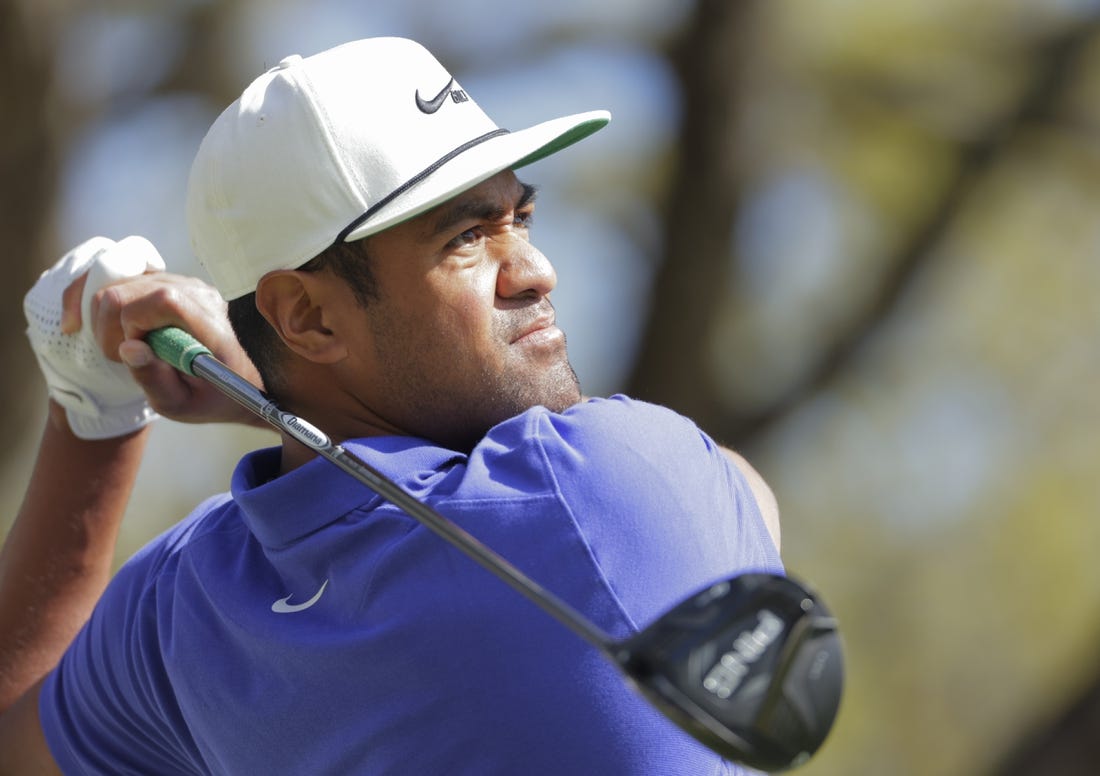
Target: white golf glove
[100,397]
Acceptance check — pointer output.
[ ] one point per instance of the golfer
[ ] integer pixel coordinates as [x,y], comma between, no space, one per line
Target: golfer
[371,248]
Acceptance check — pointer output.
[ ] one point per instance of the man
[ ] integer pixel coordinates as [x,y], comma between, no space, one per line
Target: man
[363,219]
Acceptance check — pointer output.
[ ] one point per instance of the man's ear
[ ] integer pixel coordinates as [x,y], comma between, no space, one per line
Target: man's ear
[294,303]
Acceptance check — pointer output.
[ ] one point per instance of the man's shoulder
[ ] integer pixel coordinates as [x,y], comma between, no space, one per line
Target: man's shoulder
[609,422]
[539,449]
[162,551]
[616,431]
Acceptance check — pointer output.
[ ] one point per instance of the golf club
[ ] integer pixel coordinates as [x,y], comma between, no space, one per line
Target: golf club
[751,666]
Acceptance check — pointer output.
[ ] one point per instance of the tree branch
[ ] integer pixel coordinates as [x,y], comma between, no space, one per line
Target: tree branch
[1055,67]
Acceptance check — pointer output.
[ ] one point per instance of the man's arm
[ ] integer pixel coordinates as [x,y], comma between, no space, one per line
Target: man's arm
[58,556]
[53,567]
[765,499]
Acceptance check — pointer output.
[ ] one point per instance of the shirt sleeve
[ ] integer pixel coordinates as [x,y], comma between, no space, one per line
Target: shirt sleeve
[663,510]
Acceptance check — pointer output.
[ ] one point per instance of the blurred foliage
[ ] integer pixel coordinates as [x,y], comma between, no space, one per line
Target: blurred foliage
[940,481]
[893,312]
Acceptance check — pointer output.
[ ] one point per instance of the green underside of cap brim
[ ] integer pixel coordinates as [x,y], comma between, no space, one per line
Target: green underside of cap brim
[579,132]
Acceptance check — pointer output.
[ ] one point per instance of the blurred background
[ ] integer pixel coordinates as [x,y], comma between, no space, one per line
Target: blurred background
[855,240]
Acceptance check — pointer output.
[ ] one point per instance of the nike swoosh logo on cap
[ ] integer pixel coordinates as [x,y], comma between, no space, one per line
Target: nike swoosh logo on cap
[283,605]
[432,105]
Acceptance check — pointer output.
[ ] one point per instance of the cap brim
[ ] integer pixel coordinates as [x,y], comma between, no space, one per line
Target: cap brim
[479,163]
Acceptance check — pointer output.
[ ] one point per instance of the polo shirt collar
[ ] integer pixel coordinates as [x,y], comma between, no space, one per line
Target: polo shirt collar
[279,510]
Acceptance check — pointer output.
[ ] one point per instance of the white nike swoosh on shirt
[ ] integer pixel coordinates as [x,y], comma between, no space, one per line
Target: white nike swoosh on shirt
[283,607]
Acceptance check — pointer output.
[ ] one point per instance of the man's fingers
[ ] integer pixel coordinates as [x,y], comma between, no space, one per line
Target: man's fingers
[70,305]
[129,309]
[163,385]
[135,354]
[124,312]
[175,395]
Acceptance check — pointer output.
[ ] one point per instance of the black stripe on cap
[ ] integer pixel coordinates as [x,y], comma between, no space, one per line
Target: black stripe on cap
[413,181]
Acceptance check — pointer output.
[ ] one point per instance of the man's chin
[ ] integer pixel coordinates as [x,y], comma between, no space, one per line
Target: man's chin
[556,389]
[562,403]
[561,389]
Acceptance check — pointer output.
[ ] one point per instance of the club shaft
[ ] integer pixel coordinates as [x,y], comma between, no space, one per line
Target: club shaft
[237,388]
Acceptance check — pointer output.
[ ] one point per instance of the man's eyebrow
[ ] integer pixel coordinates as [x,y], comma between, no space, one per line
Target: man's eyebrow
[479,210]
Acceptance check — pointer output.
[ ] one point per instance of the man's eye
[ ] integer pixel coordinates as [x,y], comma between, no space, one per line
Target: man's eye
[469,237]
[524,219]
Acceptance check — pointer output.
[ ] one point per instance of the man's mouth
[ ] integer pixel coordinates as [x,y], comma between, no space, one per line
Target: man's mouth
[541,326]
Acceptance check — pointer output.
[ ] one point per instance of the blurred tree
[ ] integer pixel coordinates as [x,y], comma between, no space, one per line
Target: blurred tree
[203,67]
[31,144]
[702,198]
[696,280]
[1066,747]
[674,365]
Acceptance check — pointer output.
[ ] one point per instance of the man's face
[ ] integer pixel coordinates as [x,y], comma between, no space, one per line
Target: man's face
[461,335]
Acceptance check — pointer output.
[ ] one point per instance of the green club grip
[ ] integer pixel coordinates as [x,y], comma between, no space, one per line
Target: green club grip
[177,347]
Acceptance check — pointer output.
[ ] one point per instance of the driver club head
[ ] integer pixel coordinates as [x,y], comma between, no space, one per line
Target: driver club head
[750,666]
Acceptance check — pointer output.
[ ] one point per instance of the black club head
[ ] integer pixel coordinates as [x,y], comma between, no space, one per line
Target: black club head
[751,667]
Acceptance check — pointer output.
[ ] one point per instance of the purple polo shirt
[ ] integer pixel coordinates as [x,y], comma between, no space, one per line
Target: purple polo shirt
[304,626]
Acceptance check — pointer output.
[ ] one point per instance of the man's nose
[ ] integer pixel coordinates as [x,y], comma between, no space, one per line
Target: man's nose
[524,271]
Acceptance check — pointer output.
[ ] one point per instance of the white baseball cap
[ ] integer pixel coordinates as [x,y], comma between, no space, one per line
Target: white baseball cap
[340,145]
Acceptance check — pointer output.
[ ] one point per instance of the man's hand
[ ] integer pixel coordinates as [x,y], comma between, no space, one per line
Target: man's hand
[100,398]
[121,313]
